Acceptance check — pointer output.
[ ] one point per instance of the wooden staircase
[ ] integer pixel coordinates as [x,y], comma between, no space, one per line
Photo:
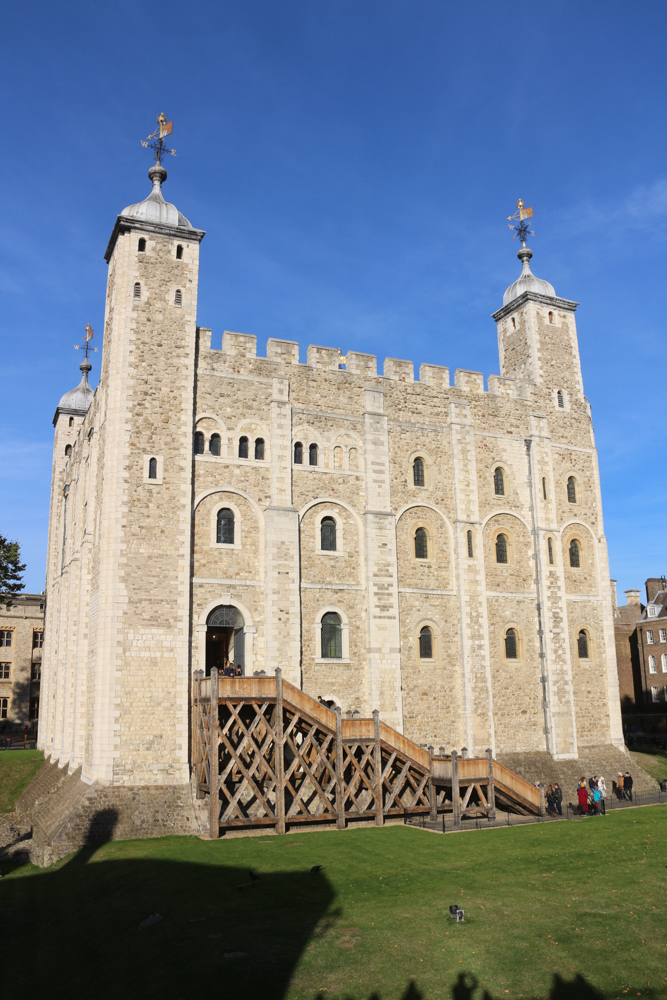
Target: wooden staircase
[267,754]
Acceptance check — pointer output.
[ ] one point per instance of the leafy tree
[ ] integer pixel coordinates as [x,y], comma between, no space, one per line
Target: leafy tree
[11,571]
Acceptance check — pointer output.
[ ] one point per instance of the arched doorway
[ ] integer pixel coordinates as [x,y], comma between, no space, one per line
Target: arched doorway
[225,639]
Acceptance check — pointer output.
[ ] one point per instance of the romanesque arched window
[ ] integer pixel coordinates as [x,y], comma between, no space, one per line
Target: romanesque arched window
[142,245]
[499,482]
[421,544]
[551,317]
[199,443]
[328,534]
[224,532]
[426,643]
[298,453]
[179,252]
[575,556]
[511,645]
[214,444]
[470,551]
[312,455]
[332,636]
[68,449]
[418,472]
[560,399]
[152,468]
[571,490]
[243,447]
[501,549]
[582,645]
[259,449]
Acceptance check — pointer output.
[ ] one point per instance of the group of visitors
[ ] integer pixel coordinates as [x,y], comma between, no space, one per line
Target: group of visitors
[623,786]
[592,797]
[229,670]
[554,800]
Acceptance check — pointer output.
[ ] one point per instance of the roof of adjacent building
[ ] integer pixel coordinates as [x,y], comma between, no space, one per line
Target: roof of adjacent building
[657,608]
[628,614]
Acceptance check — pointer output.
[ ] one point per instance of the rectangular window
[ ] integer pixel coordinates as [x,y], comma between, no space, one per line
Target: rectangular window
[4,707]
[36,672]
[5,637]
[649,636]
[5,669]
[34,709]
[664,693]
[654,694]
[663,635]
[37,640]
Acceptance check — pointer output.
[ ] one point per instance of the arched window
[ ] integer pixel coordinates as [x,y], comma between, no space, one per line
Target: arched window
[663,662]
[338,457]
[544,487]
[470,552]
[312,455]
[224,533]
[68,449]
[353,459]
[513,323]
[501,549]
[418,472]
[551,317]
[571,490]
[71,421]
[178,297]
[575,558]
[499,482]
[551,551]
[511,645]
[152,468]
[243,447]
[582,645]
[137,289]
[560,399]
[179,252]
[332,636]
[142,245]
[259,449]
[652,669]
[199,443]
[328,534]
[298,453]
[421,544]
[426,643]
[214,444]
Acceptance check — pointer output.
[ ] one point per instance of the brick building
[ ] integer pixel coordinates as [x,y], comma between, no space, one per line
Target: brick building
[641,655]
[21,640]
[429,549]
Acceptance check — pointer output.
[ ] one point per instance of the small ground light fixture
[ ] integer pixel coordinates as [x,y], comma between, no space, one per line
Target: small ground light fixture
[456,913]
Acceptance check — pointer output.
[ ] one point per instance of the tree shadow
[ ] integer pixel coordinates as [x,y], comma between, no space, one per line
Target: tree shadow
[466,988]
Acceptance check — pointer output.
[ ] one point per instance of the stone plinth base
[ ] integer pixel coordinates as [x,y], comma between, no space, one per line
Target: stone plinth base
[65,813]
[605,761]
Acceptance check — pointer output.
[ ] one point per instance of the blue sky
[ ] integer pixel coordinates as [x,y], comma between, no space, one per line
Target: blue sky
[353,163]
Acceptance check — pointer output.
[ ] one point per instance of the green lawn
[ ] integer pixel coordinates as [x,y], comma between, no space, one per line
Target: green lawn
[561,910]
[654,762]
[17,767]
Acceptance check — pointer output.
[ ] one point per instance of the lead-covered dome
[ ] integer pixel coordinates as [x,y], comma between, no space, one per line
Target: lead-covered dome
[527,282]
[155,208]
[81,397]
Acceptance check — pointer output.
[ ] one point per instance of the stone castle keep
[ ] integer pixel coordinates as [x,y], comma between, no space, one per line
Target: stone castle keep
[431,550]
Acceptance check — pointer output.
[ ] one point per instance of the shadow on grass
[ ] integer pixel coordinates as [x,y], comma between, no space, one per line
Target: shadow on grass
[467,988]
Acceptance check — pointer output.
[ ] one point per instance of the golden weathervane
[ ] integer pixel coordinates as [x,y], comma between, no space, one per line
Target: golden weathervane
[155,140]
[522,213]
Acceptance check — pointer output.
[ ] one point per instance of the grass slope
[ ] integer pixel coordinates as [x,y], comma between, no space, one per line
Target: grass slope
[653,762]
[17,767]
[560,910]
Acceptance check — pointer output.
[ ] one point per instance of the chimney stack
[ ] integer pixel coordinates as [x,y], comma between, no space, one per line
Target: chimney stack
[631,596]
[654,585]
[614,598]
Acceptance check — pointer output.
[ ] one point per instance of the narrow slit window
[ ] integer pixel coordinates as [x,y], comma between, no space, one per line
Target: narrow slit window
[68,449]
[499,482]
[470,551]
[214,444]
[142,245]
[71,421]
[224,534]
[328,534]
[243,447]
[575,554]
[511,645]
[332,636]
[312,455]
[551,317]
[298,453]
[178,297]
[179,252]
[501,549]
[137,289]
[199,443]
[152,468]
[561,399]
[544,487]
[421,544]
[426,643]
[582,645]
[551,551]
[259,449]
[513,323]
[571,490]
[418,472]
